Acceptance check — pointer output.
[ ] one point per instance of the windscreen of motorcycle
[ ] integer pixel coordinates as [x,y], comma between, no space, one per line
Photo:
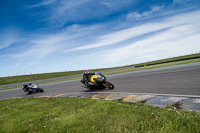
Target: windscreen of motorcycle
[92,78]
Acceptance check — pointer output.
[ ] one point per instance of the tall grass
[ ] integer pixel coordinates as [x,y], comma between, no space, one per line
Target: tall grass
[88,115]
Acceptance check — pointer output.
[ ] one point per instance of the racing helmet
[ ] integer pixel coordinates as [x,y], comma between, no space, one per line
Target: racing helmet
[25,85]
[87,71]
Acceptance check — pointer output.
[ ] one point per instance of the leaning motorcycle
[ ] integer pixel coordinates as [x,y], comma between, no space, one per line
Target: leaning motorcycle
[99,81]
[31,88]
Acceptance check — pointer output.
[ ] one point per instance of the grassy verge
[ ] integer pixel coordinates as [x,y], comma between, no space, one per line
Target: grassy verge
[26,78]
[155,66]
[10,88]
[174,59]
[88,115]
[44,82]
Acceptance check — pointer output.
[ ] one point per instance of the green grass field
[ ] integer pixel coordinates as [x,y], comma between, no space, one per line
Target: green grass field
[27,78]
[57,115]
[155,66]
[173,59]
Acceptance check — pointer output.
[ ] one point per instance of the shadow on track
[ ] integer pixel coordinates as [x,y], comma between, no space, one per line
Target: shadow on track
[96,90]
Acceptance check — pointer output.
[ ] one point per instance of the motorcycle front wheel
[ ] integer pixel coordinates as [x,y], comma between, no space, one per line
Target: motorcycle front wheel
[40,90]
[109,85]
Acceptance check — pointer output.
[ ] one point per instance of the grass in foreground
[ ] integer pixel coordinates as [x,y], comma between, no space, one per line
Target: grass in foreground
[88,115]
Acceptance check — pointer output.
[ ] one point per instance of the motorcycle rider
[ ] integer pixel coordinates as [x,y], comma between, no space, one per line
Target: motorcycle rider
[86,79]
[25,86]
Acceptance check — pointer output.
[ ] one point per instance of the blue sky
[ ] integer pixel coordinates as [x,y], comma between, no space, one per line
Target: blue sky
[40,36]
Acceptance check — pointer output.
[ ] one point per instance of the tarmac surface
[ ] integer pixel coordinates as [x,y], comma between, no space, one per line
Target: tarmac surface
[162,86]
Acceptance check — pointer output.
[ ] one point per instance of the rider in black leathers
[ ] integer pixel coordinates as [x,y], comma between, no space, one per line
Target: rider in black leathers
[26,86]
[86,79]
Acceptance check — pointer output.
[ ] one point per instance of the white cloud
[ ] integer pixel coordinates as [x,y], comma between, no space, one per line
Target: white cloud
[7,42]
[174,30]
[180,1]
[145,14]
[175,41]
[122,35]
[39,47]
[61,12]
[42,46]
[107,4]
[7,39]
[43,3]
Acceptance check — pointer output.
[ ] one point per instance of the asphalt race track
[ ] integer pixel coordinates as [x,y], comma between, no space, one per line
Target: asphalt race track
[178,80]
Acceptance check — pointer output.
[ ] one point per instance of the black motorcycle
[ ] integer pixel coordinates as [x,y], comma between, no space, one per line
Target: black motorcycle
[31,88]
[99,81]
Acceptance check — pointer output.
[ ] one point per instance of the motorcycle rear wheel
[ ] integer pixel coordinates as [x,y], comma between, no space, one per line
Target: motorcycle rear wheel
[109,85]
[29,92]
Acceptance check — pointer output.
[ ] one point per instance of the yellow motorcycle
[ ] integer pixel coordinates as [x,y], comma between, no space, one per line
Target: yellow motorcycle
[100,82]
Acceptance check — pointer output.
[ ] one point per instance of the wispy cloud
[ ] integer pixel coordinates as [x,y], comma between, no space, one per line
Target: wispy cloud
[61,12]
[122,35]
[43,3]
[177,40]
[180,1]
[163,10]
[40,47]
[173,36]
[7,38]
[154,48]
[145,14]
[4,43]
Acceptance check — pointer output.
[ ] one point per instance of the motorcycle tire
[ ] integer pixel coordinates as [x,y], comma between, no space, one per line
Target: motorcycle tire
[29,92]
[41,90]
[109,85]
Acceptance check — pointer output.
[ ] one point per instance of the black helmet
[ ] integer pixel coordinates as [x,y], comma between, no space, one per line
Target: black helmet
[87,71]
